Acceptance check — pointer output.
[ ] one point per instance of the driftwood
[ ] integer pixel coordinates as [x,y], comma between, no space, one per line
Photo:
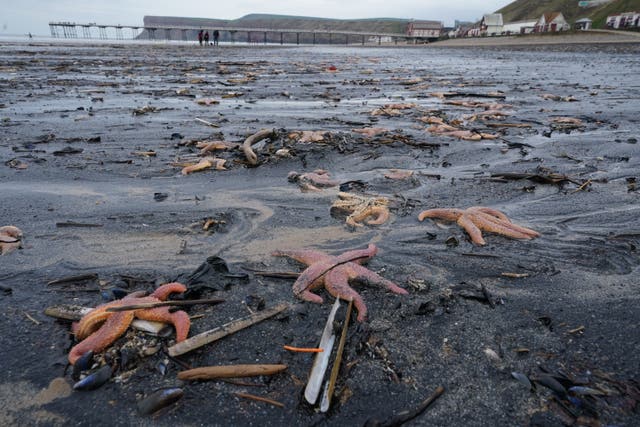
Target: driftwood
[261,399]
[229,371]
[229,328]
[251,156]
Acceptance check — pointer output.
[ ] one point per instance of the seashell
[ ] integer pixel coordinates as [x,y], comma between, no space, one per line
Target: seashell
[551,383]
[523,379]
[82,364]
[95,380]
[586,391]
[159,399]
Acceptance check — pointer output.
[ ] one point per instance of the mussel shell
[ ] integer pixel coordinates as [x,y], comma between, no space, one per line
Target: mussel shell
[523,379]
[159,399]
[551,383]
[82,364]
[94,380]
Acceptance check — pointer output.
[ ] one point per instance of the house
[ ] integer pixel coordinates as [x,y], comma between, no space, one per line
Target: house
[429,30]
[551,22]
[624,20]
[491,24]
[518,27]
[583,24]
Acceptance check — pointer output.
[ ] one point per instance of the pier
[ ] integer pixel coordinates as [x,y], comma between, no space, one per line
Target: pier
[72,30]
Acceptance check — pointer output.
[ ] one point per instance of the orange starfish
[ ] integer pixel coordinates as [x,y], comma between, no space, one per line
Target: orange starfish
[477,219]
[335,273]
[99,328]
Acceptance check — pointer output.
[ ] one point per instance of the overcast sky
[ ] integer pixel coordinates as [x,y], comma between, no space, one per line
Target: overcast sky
[24,16]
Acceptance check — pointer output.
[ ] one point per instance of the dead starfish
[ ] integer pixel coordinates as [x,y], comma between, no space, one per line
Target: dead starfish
[10,239]
[477,219]
[99,328]
[335,273]
[312,181]
[362,207]
[370,132]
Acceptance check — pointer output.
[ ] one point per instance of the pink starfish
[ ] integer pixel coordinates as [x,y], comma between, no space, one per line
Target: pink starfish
[335,273]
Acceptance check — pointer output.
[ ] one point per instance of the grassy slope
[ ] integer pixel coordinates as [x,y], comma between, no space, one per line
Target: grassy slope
[526,9]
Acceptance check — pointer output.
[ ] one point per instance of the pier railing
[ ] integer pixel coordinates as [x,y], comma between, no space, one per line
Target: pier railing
[72,30]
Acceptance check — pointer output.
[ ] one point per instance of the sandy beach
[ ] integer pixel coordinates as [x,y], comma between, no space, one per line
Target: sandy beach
[93,144]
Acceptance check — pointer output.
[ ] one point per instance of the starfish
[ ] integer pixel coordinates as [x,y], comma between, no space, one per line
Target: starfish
[312,181]
[361,208]
[99,328]
[10,239]
[335,273]
[477,219]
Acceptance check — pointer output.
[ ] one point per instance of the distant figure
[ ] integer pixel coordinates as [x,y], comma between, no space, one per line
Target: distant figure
[206,38]
[216,36]
[30,36]
[200,37]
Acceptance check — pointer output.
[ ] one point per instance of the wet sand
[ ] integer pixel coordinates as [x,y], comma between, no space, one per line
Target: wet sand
[72,152]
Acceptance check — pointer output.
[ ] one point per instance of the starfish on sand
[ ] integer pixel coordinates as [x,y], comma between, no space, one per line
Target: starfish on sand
[335,273]
[312,181]
[99,328]
[477,219]
[361,208]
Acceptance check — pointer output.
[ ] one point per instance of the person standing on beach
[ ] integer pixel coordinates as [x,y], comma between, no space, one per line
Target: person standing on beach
[216,36]
[200,37]
[206,38]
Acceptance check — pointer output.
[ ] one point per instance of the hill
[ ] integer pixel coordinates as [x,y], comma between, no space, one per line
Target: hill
[521,10]
[383,25]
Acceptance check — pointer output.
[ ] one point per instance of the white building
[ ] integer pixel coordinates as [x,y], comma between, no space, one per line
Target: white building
[518,27]
[624,20]
[491,24]
[551,22]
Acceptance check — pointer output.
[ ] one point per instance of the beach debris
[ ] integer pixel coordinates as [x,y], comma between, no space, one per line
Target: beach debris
[361,208]
[251,156]
[312,181]
[334,274]
[208,146]
[325,403]
[16,164]
[207,101]
[303,349]
[566,123]
[553,97]
[206,122]
[405,416]
[159,399]
[398,174]
[10,239]
[229,371]
[446,95]
[321,361]
[149,153]
[260,399]
[69,224]
[144,110]
[219,332]
[476,219]
[99,328]
[541,175]
[306,136]
[370,132]
[68,150]
[206,163]
[392,110]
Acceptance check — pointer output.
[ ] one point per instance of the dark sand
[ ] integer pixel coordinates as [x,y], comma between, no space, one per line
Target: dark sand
[574,314]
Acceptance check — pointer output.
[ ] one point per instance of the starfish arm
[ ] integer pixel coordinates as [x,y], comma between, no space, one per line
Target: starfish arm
[359,272]
[470,227]
[307,295]
[337,284]
[490,211]
[179,319]
[92,321]
[446,214]
[115,326]
[489,223]
[167,289]
[380,214]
